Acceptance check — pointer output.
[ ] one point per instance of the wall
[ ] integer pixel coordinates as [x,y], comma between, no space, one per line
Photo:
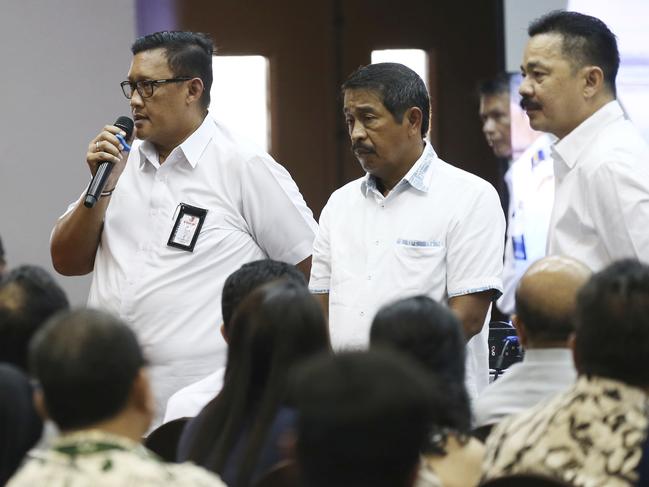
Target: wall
[63,61]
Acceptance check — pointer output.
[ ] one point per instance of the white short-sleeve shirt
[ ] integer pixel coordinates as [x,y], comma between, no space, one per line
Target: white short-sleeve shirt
[439,233]
[601,205]
[172,297]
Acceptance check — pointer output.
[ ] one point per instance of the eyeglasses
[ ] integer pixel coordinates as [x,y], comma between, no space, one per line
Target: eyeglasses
[145,87]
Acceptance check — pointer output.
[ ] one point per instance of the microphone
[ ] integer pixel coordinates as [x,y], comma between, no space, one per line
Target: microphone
[103,171]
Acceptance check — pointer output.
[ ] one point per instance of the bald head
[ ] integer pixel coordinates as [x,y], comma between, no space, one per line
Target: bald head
[546,297]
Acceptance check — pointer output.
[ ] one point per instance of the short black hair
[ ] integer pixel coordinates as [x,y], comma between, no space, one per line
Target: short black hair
[250,276]
[363,419]
[612,323]
[498,85]
[543,323]
[29,295]
[429,333]
[188,54]
[398,87]
[86,362]
[586,40]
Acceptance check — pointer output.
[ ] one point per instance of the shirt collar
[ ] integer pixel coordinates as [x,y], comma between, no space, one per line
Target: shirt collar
[191,149]
[571,146]
[92,441]
[548,355]
[418,177]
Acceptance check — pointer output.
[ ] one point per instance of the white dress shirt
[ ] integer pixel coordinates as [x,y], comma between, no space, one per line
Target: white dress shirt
[439,233]
[601,206]
[530,180]
[543,373]
[190,400]
[172,297]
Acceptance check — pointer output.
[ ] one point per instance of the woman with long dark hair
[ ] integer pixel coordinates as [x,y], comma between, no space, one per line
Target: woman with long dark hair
[276,327]
[430,333]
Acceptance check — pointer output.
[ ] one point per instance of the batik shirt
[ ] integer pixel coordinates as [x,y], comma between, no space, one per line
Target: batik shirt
[94,458]
[590,436]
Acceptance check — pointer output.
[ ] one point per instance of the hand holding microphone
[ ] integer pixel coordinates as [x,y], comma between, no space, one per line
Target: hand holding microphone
[104,156]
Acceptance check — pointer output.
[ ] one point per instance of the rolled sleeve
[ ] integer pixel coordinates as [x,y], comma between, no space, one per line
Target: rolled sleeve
[475,247]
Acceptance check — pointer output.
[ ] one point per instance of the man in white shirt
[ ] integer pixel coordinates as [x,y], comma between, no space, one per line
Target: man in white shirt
[190,206]
[545,304]
[413,225]
[601,162]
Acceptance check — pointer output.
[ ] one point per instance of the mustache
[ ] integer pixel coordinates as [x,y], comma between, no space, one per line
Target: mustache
[527,104]
[358,147]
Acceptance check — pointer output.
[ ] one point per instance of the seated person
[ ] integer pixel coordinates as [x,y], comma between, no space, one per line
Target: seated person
[238,433]
[593,433]
[20,425]
[545,304]
[363,420]
[189,401]
[430,334]
[94,386]
[29,295]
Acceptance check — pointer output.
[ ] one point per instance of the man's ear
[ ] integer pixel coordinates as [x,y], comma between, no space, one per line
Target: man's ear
[224,333]
[520,330]
[195,90]
[415,118]
[39,404]
[593,80]
[572,345]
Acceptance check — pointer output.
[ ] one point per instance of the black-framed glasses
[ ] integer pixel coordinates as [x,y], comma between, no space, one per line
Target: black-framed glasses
[145,87]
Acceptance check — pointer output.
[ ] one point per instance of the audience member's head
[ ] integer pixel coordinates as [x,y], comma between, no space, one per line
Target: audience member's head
[276,327]
[363,420]
[91,373]
[569,66]
[545,301]
[612,324]
[20,425]
[495,115]
[28,297]
[431,334]
[249,277]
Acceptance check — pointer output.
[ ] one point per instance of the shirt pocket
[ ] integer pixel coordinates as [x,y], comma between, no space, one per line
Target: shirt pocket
[420,266]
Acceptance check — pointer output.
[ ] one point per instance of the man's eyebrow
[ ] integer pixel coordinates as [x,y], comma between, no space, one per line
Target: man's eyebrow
[360,108]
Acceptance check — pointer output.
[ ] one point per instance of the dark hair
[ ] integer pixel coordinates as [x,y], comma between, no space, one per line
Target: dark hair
[250,276]
[86,362]
[363,419]
[429,333]
[544,323]
[585,39]
[494,86]
[28,297]
[20,425]
[188,54]
[398,87]
[277,326]
[612,323]
[2,256]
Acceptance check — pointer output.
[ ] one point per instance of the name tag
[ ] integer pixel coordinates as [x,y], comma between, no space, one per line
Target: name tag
[187,227]
[518,244]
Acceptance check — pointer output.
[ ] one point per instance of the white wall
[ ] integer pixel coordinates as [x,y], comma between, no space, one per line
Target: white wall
[518,15]
[62,61]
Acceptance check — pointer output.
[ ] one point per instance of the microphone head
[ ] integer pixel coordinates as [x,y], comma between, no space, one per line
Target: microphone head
[126,124]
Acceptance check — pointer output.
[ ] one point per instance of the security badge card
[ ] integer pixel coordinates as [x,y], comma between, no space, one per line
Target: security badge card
[185,231]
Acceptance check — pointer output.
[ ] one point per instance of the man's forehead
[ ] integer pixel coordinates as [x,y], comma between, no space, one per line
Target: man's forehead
[362,99]
[495,101]
[543,49]
[149,64]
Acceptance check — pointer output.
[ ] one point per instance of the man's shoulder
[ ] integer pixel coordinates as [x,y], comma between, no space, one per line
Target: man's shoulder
[454,178]
[349,191]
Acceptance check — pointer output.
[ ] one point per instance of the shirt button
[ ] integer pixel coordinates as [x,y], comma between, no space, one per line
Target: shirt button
[362,313]
[154,212]
[369,278]
[376,242]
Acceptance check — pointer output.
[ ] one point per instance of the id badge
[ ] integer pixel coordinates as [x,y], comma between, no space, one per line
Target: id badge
[184,233]
[518,245]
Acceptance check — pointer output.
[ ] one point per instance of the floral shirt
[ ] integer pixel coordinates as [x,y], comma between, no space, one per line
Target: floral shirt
[590,436]
[95,458]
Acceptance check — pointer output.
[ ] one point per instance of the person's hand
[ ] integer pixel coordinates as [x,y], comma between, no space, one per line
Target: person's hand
[107,147]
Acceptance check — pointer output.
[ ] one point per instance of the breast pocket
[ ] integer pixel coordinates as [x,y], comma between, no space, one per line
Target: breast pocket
[420,265]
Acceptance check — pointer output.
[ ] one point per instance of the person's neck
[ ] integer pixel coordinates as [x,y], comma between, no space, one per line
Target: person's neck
[387,183]
[125,425]
[164,150]
[545,344]
[589,110]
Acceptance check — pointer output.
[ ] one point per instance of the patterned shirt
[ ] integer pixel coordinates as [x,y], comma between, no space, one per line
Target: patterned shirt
[98,459]
[590,436]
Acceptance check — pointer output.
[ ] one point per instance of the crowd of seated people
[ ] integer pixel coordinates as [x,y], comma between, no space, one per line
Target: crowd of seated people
[575,412]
